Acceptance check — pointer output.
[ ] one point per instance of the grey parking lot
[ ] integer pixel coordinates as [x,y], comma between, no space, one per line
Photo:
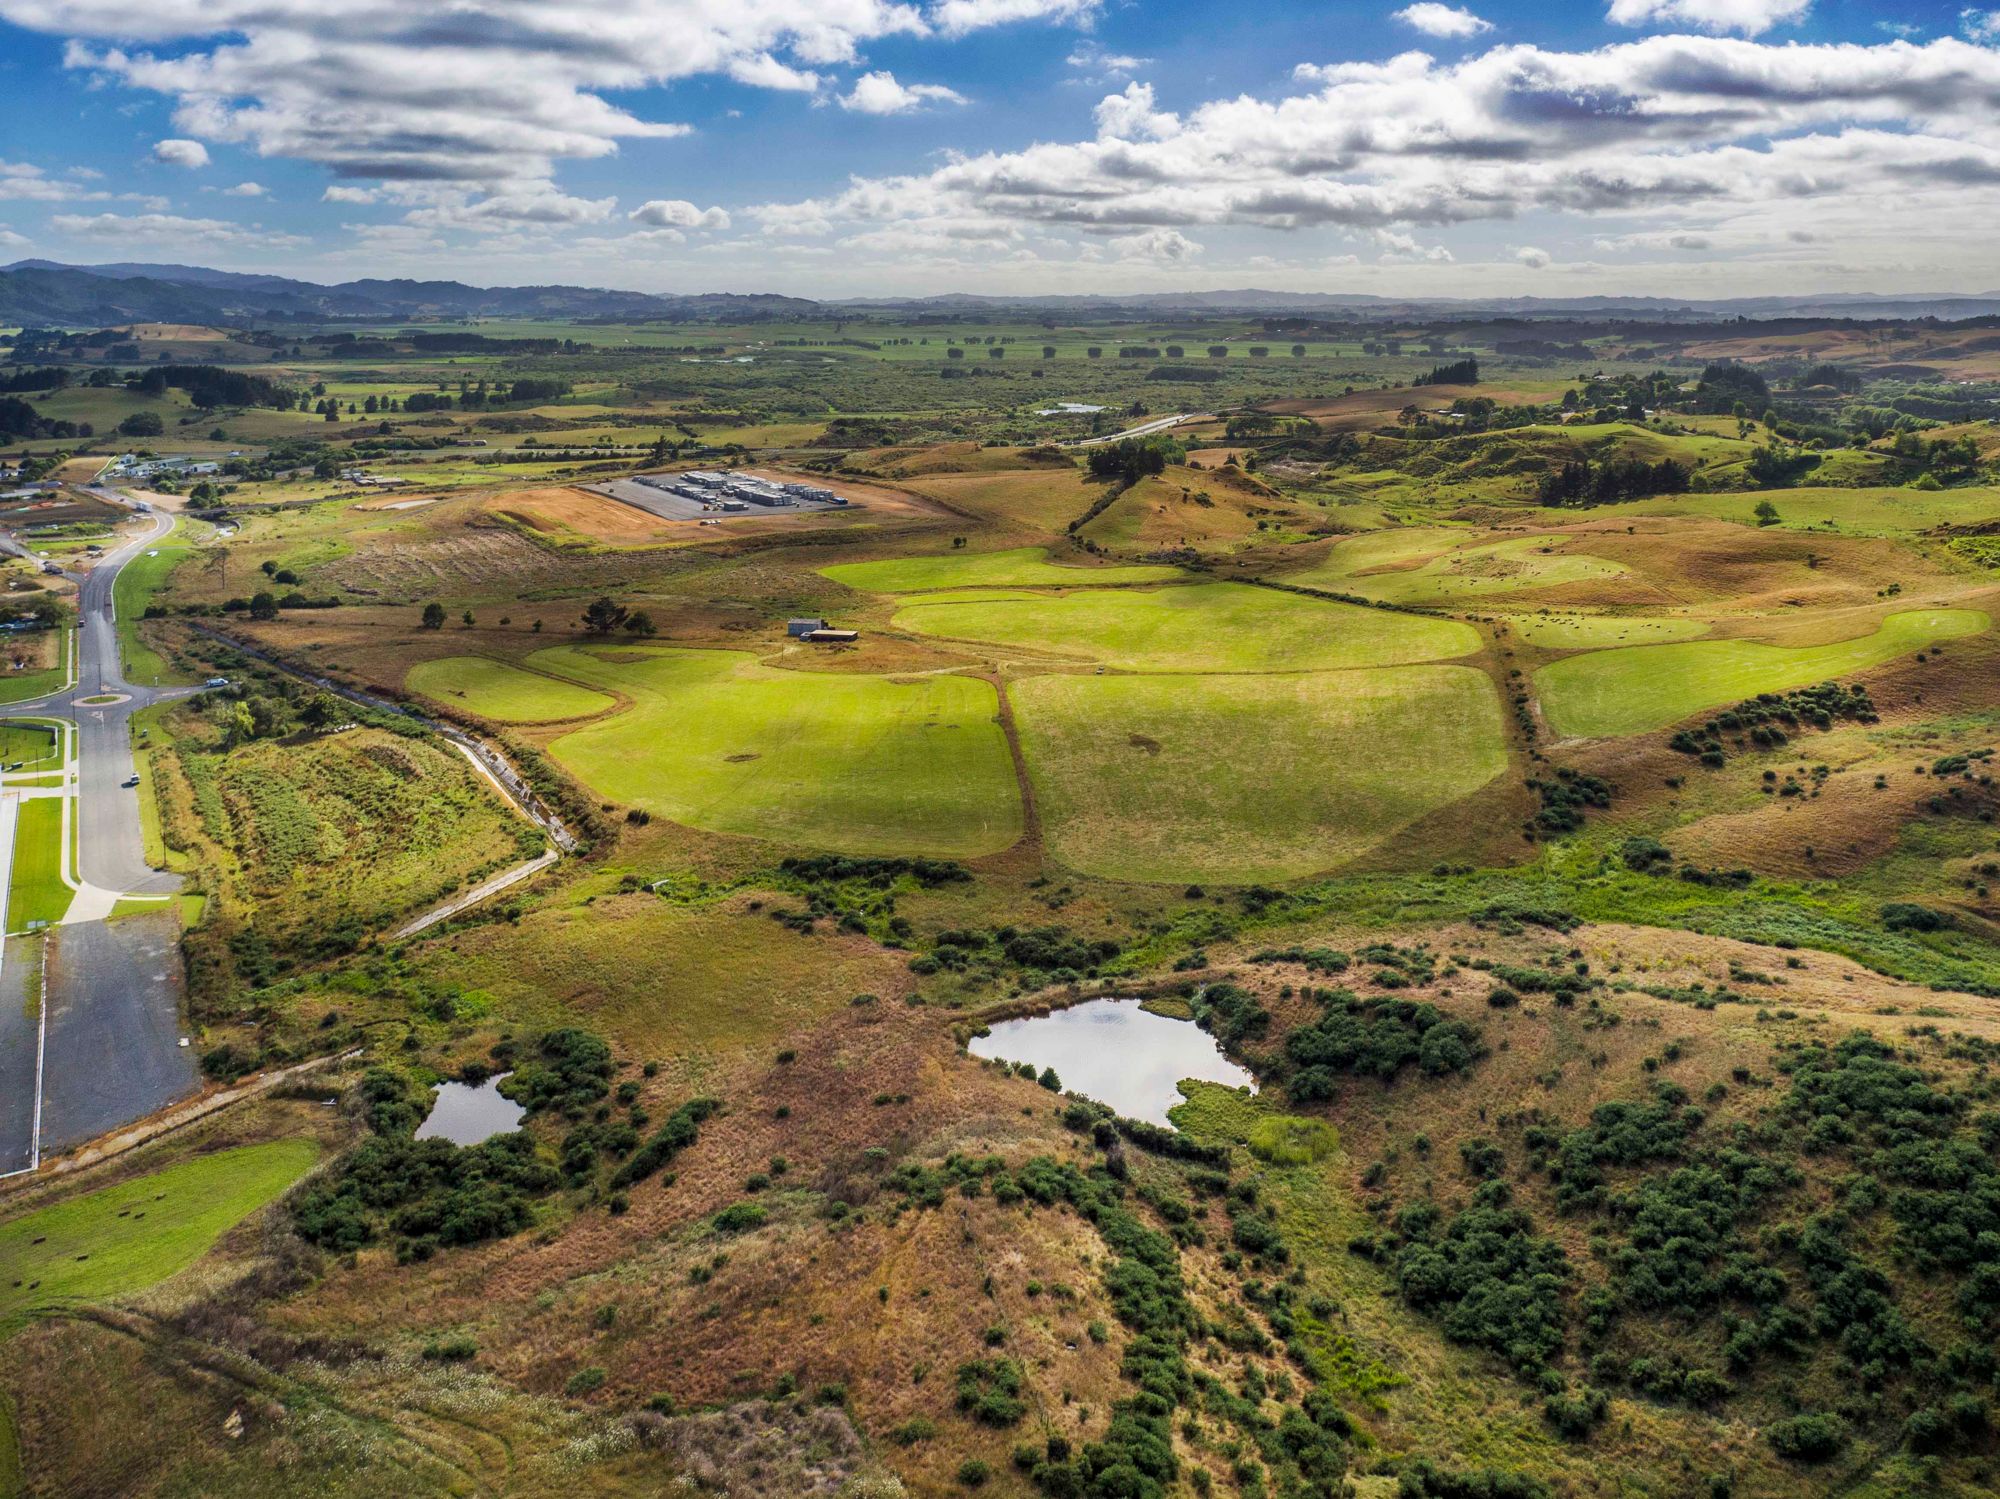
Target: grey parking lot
[20,1035]
[114,1052]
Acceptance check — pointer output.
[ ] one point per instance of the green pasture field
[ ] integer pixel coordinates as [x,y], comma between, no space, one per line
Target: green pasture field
[128,1238]
[853,764]
[35,888]
[504,693]
[1199,627]
[1865,512]
[1579,632]
[1250,778]
[1023,567]
[1514,565]
[136,584]
[1636,688]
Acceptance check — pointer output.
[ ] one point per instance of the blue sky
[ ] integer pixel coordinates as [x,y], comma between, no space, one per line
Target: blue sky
[822,147]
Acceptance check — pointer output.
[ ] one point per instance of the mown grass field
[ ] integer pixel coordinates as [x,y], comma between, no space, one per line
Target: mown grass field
[126,1238]
[1516,564]
[1635,688]
[138,580]
[30,746]
[1250,778]
[1200,627]
[865,765]
[1021,567]
[507,694]
[35,888]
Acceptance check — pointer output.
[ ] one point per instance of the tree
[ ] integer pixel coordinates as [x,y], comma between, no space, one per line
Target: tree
[1767,513]
[467,617]
[264,606]
[142,424]
[640,624]
[603,616]
[321,710]
[434,616]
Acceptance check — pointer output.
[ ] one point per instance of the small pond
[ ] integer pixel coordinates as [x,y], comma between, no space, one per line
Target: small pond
[1115,1052]
[468,1113]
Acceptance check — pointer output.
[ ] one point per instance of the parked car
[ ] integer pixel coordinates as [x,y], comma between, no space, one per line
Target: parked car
[131,780]
[216,682]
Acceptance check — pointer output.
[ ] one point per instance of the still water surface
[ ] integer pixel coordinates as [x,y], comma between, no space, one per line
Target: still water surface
[468,1113]
[1115,1052]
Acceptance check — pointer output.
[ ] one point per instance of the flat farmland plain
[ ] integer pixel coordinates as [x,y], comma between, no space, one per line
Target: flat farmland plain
[853,764]
[1250,778]
[1199,627]
[507,694]
[1021,567]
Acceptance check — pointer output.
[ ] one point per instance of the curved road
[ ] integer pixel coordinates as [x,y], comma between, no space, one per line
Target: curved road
[111,850]
[106,1047]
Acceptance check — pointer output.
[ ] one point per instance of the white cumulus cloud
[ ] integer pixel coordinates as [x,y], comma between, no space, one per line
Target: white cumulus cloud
[881,94]
[179,153]
[1534,259]
[1449,21]
[678,213]
[246,190]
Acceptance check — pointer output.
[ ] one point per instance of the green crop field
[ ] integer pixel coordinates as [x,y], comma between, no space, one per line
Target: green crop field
[854,764]
[1023,567]
[35,888]
[1245,778]
[1644,687]
[126,1238]
[1514,565]
[1577,632]
[504,693]
[1201,627]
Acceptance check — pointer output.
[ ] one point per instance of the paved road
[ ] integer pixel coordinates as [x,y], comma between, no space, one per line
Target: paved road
[1144,429]
[113,1050]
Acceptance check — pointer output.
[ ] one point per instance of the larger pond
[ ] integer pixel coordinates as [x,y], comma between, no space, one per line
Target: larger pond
[467,1113]
[1117,1053]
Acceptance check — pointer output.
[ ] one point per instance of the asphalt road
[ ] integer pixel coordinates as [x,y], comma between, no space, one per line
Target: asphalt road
[112,1049]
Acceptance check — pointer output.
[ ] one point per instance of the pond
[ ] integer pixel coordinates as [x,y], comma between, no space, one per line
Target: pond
[468,1113]
[1115,1052]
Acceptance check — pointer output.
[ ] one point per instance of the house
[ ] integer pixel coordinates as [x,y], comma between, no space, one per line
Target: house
[800,629]
[824,636]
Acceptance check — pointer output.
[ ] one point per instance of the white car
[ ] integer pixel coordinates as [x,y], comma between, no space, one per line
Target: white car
[216,682]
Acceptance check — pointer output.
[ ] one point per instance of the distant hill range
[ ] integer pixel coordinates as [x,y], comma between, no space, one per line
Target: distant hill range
[41,293]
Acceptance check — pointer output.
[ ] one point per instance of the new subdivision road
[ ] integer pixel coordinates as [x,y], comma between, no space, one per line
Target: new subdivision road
[107,1039]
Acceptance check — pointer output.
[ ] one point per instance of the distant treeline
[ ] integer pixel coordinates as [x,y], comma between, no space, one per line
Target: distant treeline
[1580,482]
[1460,372]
